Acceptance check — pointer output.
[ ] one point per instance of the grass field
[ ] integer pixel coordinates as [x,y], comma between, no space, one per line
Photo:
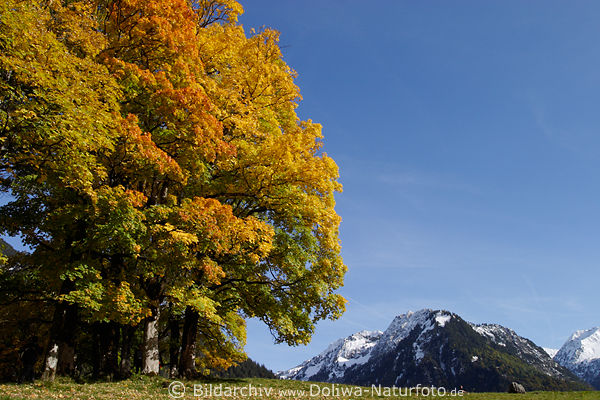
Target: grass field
[142,388]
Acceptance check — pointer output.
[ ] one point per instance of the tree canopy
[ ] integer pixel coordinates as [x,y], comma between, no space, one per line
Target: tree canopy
[161,175]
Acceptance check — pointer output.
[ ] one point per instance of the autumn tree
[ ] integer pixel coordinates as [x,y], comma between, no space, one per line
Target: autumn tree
[157,164]
[56,111]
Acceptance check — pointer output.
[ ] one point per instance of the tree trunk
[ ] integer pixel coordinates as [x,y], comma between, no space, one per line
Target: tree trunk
[187,365]
[109,347]
[66,359]
[150,360]
[127,337]
[51,362]
[60,351]
[174,344]
[97,353]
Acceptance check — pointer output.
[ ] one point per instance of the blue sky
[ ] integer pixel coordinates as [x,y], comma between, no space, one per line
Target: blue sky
[468,139]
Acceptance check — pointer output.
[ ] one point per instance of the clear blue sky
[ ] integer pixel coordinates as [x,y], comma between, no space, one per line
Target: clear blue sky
[468,139]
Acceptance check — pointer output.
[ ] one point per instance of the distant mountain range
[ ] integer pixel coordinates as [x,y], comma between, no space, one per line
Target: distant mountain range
[438,348]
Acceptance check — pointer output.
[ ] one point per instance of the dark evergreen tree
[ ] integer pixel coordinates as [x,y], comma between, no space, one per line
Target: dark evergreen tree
[246,369]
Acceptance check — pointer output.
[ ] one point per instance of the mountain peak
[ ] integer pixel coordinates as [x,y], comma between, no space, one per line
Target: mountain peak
[403,324]
[581,354]
[582,346]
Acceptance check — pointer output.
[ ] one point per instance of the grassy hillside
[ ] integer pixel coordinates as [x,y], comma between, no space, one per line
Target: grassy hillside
[142,388]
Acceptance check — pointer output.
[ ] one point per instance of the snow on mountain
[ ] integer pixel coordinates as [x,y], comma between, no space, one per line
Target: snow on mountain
[524,348]
[551,352]
[581,354]
[582,346]
[439,348]
[340,355]
[404,324]
[357,349]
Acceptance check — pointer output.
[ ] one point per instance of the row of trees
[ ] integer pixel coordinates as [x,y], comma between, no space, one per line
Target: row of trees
[158,171]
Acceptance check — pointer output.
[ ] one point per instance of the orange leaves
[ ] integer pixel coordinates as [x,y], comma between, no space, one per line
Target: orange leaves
[212,272]
[191,130]
[150,33]
[223,233]
[170,103]
[143,153]
[136,199]
[202,235]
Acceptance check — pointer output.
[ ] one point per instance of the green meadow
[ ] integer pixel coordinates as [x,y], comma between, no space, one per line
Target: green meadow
[142,388]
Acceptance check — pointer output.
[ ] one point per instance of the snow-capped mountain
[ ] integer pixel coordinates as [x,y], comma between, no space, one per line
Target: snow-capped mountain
[331,364]
[581,354]
[437,348]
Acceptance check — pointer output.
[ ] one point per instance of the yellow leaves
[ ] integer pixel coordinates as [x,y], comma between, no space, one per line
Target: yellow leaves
[24,114]
[206,307]
[108,300]
[252,86]
[59,101]
[213,273]
[185,238]
[75,25]
[90,294]
[122,305]
[198,298]
[278,167]
[259,235]
[211,11]
[223,342]
[338,306]
[175,236]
